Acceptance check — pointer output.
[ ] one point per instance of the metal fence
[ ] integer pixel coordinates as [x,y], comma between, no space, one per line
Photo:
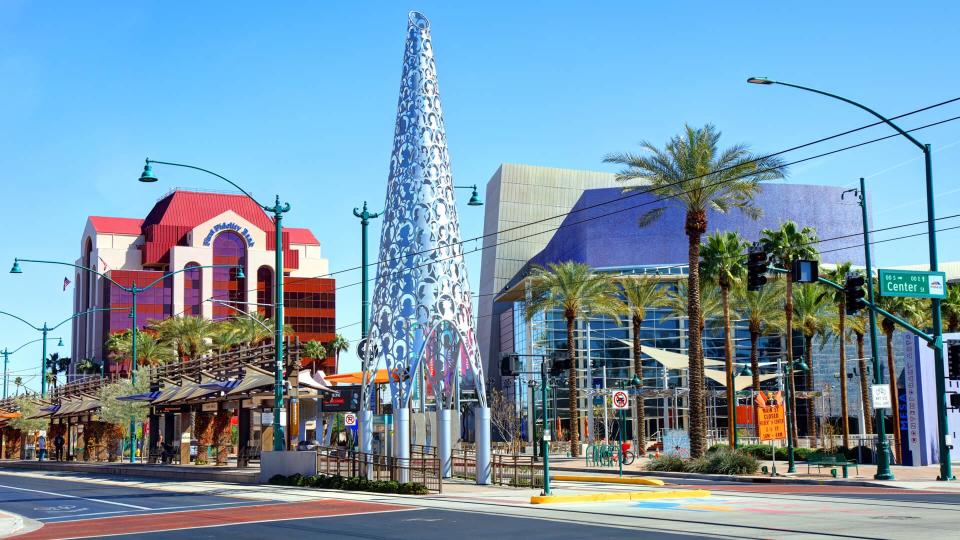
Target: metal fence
[507,469]
[420,468]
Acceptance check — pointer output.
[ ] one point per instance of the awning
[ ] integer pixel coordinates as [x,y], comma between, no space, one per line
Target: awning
[671,360]
[77,407]
[356,377]
[148,396]
[740,383]
[7,415]
[253,378]
[307,379]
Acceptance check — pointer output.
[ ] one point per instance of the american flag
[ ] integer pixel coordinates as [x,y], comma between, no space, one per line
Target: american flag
[66,283]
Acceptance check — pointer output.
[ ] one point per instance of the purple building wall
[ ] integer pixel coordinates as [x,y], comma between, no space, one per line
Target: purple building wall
[607,235]
[918,431]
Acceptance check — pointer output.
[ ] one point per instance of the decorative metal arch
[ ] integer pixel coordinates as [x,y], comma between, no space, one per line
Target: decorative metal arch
[421,276]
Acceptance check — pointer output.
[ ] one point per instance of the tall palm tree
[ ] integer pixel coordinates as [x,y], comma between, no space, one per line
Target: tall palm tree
[722,262]
[576,290]
[17,382]
[763,311]
[810,309]
[951,308]
[692,170]
[785,245]
[338,345]
[56,365]
[910,310]
[640,293]
[839,275]
[677,301]
[858,325]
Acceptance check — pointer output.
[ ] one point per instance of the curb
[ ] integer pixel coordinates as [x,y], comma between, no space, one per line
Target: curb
[744,479]
[607,479]
[628,496]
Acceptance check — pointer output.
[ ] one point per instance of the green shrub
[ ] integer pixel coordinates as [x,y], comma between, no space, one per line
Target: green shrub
[350,483]
[277,480]
[666,463]
[718,460]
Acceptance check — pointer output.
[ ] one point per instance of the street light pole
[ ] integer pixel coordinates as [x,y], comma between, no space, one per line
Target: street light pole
[946,470]
[6,359]
[278,210]
[545,432]
[365,217]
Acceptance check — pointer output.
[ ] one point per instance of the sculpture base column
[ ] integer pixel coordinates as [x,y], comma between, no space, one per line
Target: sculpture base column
[366,440]
[481,415]
[401,449]
[444,445]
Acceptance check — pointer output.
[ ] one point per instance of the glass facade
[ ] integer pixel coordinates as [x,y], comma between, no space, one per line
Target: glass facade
[192,290]
[310,307]
[265,291]
[229,248]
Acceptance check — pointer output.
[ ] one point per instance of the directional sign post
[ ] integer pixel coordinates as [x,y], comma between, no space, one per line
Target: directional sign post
[913,284]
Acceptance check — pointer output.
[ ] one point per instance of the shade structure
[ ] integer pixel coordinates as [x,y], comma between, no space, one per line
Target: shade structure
[357,377]
[253,379]
[8,415]
[80,406]
[307,379]
[740,383]
[147,396]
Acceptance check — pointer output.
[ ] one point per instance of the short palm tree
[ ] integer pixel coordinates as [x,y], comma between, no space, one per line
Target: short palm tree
[226,336]
[313,349]
[151,351]
[785,245]
[253,328]
[951,308]
[839,275]
[858,325]
[17,382]
[763,312]
[911,311]
[188,335]
[640,293]
[692,170]
[338,345]
[721,261]
[810,309]
[576,290]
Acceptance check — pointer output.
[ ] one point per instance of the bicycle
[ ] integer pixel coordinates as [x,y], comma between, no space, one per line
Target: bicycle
[628,457]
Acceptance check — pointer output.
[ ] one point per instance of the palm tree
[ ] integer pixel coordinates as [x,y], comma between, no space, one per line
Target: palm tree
[692,170]
[858,324]
[763,312]
[338,345]
[785,245]
[722,262]
[55,366]
[910,310]
[640,293]
[18,382]
[225,336]
[188,335]
[254,328]
[677,302]
[576,290]
[313,349]
[809,307]
[951,308]
[839,275]
[151,351]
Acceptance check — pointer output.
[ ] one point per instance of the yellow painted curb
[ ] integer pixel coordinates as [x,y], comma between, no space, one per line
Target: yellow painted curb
[627,496]
[608,479]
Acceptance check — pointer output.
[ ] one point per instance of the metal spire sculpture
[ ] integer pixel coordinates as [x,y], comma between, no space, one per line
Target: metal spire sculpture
[422,306]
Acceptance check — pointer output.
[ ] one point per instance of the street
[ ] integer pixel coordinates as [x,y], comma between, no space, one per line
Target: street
[90,507]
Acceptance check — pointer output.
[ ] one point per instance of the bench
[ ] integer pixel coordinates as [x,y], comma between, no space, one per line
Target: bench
[823,459]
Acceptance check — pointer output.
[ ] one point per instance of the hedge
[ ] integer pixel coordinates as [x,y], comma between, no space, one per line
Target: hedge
[716,461]
[350,483]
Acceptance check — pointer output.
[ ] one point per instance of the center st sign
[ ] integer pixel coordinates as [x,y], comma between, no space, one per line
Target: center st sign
[913,284]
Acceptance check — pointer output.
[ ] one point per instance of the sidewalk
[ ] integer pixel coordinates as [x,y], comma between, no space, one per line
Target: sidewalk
[13,524]
[249,475]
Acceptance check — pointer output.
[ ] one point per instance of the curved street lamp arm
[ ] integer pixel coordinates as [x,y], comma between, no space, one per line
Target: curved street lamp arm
[81,314]
[38,329]
[165,276]
[31,342]
[104,276]
[224,178]
[859,105]
[242,312]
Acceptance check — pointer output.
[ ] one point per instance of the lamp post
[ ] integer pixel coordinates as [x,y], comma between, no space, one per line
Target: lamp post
[946,470]
[788,370]
[6,359]
[134,290]
[545,432]
[365,217]
[278,210]
[745,372]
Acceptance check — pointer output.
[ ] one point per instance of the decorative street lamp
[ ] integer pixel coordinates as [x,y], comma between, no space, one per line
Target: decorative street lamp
[883,460]
[278,210]
[474,197]
[134,290]
[6,359]
[365,217]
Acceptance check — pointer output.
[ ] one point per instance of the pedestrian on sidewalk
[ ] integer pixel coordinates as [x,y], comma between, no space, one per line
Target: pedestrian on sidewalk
[58,443]
[41,447]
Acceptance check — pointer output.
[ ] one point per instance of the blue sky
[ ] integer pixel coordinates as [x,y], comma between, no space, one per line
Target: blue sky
[300,98]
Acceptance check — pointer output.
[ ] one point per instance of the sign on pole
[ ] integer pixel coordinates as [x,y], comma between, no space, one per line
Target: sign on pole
[620,400]
[350,419]
[771,420]
[913,284]
[881,396]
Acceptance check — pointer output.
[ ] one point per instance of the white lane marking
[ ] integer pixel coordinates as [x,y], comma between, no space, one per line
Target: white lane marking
[76,497]
[128,513]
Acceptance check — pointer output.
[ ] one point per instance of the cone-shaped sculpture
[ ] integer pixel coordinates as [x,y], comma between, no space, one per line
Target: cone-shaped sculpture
[421,301]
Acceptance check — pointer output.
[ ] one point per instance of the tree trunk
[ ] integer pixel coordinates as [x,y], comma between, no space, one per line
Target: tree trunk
[696,224]
[811,401]
[953,323]
[844,419]
[864,387]
[755,368]
[572,385]
[640,402]
[728,352]
[894,401]
[788,340]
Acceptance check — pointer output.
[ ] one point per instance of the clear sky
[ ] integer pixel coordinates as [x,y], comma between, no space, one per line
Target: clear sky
[300,99]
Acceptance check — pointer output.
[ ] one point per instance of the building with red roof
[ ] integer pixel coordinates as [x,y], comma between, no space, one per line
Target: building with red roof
[187,229]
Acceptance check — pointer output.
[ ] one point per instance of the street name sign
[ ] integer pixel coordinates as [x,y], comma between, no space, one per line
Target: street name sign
[913,284]
[881,396]
[620,400]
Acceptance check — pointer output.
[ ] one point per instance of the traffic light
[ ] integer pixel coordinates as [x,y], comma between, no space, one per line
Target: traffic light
[559,362]
[756,269]
[853,293]
[509,364]
[953,360]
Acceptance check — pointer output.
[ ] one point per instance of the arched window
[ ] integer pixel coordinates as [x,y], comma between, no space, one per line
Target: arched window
[192,290]
[265,291]
[90,277]
[229,248]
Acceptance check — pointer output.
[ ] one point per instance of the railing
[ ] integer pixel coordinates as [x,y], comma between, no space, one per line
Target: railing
[507,469]
[420,468]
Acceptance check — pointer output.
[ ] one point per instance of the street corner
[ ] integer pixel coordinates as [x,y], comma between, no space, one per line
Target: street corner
[638,481]
[619,496]
[14,524]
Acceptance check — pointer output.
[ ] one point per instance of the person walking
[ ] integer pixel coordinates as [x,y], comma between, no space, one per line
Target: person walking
[58,443]
[41,447]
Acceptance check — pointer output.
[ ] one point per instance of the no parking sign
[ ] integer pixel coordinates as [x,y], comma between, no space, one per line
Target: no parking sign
[350,419]
[621,400]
